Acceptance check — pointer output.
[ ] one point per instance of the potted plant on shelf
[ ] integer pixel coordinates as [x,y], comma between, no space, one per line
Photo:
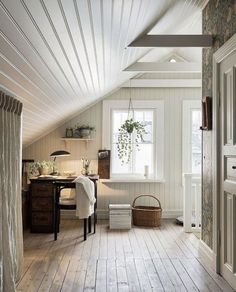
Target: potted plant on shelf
[83,131]
[126,136]
[41,168]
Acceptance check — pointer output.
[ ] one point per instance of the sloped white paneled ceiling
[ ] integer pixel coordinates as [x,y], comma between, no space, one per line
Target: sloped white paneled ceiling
[58,56]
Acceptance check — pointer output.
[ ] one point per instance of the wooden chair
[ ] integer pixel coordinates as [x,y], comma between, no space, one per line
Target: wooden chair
[68,205]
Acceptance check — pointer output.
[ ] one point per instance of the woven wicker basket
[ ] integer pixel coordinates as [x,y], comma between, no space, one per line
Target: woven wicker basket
[149,216]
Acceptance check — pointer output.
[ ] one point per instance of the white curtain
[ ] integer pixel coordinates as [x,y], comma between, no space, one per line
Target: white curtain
[11,236]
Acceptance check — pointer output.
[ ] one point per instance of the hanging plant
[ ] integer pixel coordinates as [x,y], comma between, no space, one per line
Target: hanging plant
[125,138]
[129,132]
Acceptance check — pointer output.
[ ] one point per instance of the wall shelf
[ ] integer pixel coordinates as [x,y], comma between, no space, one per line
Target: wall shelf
[85,140]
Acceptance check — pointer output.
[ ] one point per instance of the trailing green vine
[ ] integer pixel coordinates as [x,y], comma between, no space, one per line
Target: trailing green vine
[124,144]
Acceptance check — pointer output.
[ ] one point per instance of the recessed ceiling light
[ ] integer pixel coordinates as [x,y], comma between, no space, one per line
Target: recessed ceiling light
[172,60]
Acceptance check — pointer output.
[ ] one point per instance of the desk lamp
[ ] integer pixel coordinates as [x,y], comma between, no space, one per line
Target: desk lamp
[58,153]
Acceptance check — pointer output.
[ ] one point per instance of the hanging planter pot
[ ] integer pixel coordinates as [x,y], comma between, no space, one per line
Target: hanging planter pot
[129,126]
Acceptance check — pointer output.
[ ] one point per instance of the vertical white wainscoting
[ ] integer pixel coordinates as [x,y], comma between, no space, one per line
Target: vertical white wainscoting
[169,193]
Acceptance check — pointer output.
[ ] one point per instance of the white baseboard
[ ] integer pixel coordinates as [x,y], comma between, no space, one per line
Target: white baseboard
[103,214]
[171,214]
[166,214]
[207,254]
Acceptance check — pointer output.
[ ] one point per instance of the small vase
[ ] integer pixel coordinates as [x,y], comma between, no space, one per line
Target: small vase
[69,133]
[85,171]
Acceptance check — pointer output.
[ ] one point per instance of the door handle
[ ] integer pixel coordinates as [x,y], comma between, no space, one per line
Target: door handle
[234,167]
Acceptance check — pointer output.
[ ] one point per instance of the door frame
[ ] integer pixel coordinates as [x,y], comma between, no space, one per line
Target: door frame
[222,53]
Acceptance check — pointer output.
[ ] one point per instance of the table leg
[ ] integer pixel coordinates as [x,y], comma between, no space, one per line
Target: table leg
[55,224]
[85,228]
[94,221]
[89,224]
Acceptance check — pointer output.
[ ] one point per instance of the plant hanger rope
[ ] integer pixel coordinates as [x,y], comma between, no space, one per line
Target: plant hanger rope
[130,108]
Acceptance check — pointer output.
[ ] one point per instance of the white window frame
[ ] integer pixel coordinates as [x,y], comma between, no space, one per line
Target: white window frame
[188,106]
[158,107]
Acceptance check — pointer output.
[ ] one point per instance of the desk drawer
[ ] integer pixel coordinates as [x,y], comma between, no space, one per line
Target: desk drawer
[42,204]
[38,189]
[42,219]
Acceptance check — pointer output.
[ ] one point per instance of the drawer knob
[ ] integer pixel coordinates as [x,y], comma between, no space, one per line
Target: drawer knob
[234,167]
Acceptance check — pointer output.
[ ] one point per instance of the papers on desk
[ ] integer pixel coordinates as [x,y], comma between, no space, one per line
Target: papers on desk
[48,176]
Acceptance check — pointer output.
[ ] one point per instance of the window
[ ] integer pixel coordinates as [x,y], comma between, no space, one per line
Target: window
[149,151]
[192,136]
[196,138]
[141,155]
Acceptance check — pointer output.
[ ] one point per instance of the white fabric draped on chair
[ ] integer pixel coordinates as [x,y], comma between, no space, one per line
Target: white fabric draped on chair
[11,236]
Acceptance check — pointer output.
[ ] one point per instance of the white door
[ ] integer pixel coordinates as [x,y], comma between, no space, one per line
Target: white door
[228,168]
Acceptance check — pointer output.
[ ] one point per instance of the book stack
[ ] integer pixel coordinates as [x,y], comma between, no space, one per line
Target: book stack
[120,216]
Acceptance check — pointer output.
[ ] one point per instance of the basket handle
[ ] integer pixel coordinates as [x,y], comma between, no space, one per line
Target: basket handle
[133,205]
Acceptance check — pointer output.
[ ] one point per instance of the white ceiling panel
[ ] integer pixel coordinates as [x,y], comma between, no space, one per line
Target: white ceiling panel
[59,56]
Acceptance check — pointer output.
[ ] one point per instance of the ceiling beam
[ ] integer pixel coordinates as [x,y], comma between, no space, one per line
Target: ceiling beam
[163,83]
[164,67]
[153,41]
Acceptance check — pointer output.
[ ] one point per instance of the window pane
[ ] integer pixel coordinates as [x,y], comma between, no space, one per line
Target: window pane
[196,141]
[146,118]
[117,167]
[118,118]
[138,158]
[143,156]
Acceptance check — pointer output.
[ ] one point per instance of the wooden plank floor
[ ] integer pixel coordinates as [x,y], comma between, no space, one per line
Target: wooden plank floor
[141,259]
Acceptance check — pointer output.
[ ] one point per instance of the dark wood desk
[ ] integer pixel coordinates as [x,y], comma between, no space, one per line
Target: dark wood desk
[42,201]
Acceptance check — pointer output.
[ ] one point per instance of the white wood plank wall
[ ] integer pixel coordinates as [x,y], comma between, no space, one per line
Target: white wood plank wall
[170,192]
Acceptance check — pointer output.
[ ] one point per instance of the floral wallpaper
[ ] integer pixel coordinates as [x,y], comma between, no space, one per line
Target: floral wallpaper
[218,19]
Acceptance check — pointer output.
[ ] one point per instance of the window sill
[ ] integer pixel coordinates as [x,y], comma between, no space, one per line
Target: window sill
[131,180]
